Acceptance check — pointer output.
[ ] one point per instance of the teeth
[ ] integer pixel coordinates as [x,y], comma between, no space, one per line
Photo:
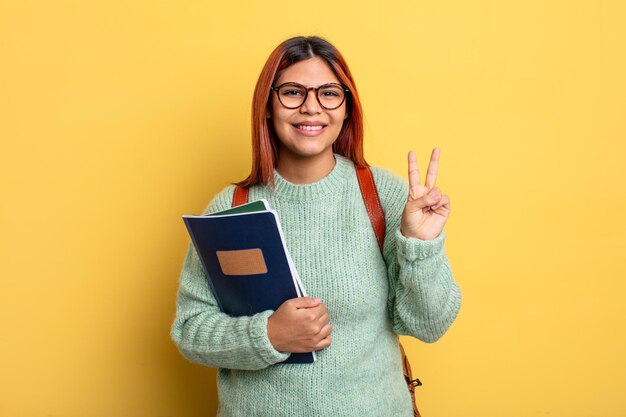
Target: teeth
[305,127]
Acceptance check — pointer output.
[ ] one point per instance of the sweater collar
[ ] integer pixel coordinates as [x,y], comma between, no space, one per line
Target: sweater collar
[331,183]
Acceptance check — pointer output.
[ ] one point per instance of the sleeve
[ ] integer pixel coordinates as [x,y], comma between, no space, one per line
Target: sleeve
[424,299]
[204,334]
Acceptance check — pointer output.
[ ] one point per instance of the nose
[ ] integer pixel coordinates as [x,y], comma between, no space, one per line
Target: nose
[311,104]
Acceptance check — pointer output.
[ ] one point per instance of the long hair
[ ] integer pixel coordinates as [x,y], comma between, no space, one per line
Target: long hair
[265,144]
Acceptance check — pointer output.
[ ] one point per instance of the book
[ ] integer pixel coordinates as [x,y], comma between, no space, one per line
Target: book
[246,261]
[258,205]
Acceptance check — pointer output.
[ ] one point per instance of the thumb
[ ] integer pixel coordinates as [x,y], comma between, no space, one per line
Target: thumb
[305,302]
[429,199]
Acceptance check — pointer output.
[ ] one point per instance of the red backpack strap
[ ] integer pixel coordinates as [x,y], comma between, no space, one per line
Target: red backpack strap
[240,197]
[411,383]
[372,203]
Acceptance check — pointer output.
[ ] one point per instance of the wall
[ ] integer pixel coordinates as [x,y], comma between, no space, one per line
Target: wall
[118,117]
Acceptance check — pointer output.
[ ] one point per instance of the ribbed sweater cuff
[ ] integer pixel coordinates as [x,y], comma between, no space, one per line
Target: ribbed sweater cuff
[260,341]
[413,249]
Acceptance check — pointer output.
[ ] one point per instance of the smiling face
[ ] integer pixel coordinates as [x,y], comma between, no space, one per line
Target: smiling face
[308,132]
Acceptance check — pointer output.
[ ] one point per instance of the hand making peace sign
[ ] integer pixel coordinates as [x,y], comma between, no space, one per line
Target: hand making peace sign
[427,209]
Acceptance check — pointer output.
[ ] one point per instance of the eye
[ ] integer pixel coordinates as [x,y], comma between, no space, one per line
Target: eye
[329,93]
[292,92]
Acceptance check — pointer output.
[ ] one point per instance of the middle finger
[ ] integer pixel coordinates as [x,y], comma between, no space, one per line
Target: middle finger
[433,166]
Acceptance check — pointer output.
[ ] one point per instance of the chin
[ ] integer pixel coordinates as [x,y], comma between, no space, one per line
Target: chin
[308,152]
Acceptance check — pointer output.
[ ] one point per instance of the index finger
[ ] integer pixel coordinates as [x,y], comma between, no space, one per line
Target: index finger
[431,174]
[414,175]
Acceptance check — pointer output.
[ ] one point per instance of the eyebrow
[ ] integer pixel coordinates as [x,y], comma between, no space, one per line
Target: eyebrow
[294,82]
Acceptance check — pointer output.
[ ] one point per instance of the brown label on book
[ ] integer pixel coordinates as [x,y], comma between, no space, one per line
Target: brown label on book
[242,262]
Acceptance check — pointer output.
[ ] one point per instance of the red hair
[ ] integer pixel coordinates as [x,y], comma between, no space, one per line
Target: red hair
[265,144]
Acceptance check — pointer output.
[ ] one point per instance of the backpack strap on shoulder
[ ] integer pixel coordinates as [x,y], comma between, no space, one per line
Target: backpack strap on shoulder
[240,197]
[372,203]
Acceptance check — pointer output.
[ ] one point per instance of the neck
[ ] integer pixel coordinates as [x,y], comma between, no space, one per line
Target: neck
[305,170]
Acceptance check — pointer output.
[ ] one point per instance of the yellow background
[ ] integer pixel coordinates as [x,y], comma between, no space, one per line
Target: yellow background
[117,117]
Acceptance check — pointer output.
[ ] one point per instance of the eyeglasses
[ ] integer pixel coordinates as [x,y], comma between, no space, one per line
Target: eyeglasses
[293,95]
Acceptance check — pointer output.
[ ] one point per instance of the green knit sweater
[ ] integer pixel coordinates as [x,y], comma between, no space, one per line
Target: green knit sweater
[371,298]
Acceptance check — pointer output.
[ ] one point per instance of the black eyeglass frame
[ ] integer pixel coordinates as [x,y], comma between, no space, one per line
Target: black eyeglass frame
[316,89]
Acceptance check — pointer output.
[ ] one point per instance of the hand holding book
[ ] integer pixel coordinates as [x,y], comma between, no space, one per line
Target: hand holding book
[300,325]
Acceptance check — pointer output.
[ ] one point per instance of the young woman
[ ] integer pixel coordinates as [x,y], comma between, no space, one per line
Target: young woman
[307,136]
